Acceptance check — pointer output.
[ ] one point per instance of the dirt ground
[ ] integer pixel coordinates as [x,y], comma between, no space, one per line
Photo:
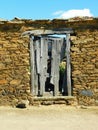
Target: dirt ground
[58,117]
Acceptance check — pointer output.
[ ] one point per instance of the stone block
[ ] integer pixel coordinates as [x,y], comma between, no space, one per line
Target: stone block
[77,72]
[22,104]
[78,86]
[4,42]
[20,41]
[92,83]
[47,103]
[3,81]
[88,93]
[75,49]
[88,66]
[60,102]
[15,82]
[2,65]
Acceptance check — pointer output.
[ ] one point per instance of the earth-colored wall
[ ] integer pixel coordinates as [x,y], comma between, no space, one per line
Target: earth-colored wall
[15,65]
[84,60]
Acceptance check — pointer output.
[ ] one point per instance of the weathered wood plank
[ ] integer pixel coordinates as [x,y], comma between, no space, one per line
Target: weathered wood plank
[35,82]
[68,65]
[41,68]
[45,50]
[48,32]
[37,65]
[32,64]
[52,62]
[57,62]
[38,56]
[55,65]
[43,65]
[54,98]
[63,48]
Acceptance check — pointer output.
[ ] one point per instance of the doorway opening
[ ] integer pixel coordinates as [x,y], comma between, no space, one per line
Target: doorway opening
[50,62]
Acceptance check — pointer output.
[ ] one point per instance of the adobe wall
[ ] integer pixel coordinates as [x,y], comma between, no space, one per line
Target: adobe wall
[84,60]
[15,64]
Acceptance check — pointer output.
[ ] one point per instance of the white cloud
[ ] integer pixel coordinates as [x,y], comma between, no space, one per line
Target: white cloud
[73,13]
[58,12]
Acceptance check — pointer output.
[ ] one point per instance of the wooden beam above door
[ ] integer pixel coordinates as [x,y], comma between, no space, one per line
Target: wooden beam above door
[48,32]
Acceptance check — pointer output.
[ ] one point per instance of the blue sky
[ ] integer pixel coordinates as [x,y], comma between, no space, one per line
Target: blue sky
[47,9]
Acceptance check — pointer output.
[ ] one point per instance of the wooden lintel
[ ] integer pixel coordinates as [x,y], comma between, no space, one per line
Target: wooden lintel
[48,32]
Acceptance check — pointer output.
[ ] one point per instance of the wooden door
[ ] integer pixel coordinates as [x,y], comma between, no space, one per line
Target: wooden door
[46,55]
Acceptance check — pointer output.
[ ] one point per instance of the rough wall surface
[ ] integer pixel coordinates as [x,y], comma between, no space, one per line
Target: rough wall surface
[84,60]
[15,65]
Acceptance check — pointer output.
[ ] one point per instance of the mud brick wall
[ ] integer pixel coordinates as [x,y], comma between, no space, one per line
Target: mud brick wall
[84,60]
[14,67]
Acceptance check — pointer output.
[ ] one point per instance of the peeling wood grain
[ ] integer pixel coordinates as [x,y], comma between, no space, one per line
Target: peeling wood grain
[68,65]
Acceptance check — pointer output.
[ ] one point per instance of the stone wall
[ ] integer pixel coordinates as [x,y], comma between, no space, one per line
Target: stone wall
[15,65]
[84,60]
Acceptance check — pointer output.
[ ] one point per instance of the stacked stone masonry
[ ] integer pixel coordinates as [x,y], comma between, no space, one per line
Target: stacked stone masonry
[84,60]
[14,68]
[15,60]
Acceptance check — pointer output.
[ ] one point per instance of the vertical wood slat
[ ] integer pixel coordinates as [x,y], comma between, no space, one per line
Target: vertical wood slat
[37,66]
[55,65]
[63,51]
[57,62]
[68,65]
[63,46]
[43,65]
[38,56]
[32,64]
[45,50]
